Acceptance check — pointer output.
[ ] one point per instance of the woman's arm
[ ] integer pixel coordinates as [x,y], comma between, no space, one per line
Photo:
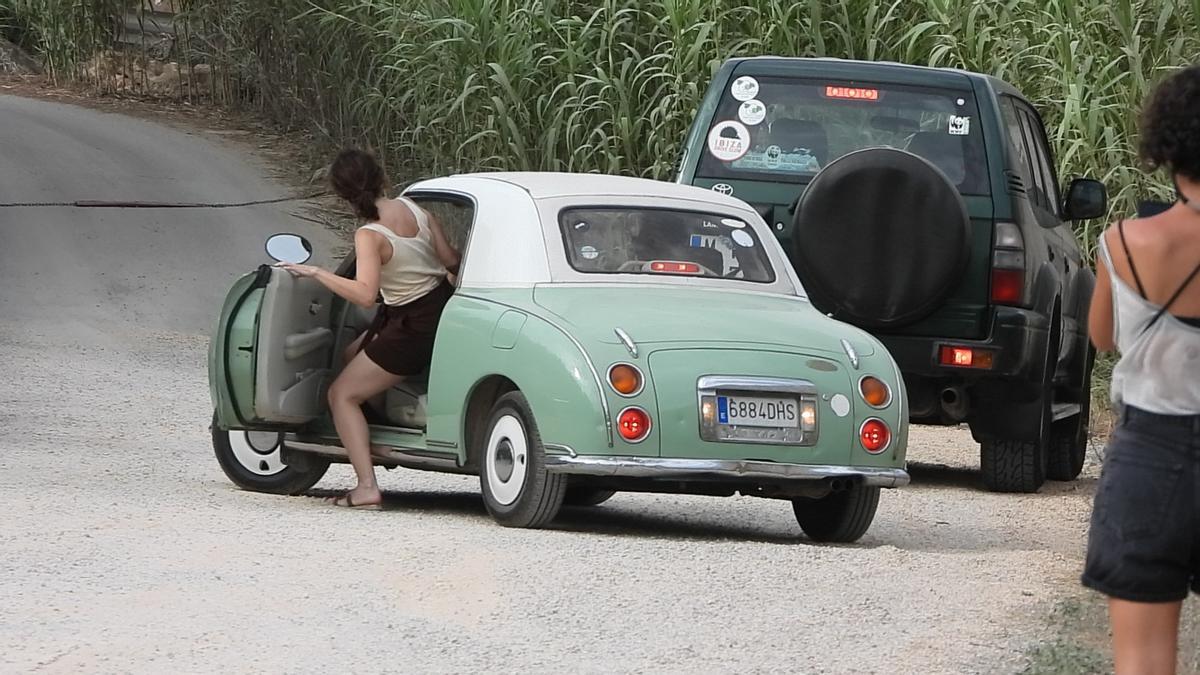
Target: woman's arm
[1100,316]
[445,252]
[363,289]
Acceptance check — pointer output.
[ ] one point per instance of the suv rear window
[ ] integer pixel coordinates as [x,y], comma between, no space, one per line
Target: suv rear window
[785,129]
[626,240]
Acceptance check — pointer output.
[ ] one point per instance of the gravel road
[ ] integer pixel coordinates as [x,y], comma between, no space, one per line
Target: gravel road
[123,548]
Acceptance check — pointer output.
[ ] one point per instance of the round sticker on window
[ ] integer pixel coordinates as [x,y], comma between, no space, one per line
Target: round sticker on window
[589,252]
[752,112]
[729,140]
[742,238]
[744,88]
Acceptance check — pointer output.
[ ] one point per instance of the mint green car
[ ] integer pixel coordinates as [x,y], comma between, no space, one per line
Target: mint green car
[606,334]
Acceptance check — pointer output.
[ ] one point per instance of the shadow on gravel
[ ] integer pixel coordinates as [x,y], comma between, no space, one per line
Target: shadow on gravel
[595,520]
[611,522]
[968,478]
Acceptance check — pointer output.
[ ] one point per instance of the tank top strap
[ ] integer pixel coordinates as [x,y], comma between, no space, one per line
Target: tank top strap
[380,229]
[417,211]
[1129,256]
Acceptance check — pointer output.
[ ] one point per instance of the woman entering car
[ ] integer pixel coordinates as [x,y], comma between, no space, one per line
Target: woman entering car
[401,253]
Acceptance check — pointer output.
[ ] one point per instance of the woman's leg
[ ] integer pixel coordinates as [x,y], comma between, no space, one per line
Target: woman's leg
[359,381]
[1145,637]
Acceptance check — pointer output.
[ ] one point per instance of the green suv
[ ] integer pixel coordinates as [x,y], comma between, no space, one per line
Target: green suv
[922,205]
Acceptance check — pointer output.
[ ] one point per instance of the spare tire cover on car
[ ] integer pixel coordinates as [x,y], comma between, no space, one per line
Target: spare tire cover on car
[881,238]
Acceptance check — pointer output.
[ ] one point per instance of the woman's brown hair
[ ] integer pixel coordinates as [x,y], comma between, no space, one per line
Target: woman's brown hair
[358,178]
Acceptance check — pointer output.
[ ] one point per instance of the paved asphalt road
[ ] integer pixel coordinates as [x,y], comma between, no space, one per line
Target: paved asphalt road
[123,548]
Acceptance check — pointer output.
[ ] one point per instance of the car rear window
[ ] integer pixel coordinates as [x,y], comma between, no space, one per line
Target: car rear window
[620,240]
[785,129]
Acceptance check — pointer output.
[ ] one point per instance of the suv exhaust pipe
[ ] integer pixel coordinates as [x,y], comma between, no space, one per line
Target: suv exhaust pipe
[955,404]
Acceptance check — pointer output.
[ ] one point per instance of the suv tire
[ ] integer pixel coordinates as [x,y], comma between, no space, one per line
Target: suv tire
[1013,466]
[912,265]
[1069,437]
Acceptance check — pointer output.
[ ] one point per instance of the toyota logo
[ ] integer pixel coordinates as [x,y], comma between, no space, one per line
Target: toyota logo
[723,188]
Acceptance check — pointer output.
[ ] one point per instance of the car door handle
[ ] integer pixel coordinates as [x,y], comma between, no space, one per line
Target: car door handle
[314,307]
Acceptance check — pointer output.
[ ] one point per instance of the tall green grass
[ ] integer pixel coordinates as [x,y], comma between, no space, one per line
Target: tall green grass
[439,86]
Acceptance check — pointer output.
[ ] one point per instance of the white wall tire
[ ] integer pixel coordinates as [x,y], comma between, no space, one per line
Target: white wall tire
[517,489]
[258,452]
[254,461]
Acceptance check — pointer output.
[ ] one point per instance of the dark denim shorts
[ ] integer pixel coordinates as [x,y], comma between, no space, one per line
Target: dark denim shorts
[1144,544]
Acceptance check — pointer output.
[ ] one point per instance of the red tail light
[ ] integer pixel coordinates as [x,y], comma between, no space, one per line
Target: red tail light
[1008,286]
[965,357]
[875,436]
[633,424]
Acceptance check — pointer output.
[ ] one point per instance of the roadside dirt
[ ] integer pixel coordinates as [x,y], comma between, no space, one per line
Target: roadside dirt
[126,549]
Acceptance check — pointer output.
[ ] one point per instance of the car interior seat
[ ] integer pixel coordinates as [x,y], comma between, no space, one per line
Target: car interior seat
[944,151]
[791,134]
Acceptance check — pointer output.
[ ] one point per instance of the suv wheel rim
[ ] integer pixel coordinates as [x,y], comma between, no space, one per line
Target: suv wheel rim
[507,456]
[257,451]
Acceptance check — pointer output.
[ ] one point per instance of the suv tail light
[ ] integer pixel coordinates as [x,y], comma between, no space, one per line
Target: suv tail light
[1008,265]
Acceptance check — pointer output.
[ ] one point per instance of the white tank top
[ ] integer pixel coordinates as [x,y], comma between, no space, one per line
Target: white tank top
[1159,370]
[414,268]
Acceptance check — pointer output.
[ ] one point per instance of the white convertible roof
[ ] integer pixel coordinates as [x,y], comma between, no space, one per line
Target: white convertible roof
[548,185]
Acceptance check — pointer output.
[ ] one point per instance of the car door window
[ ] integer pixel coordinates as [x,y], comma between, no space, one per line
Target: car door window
[1020,151]
[1041,156]
[455,214]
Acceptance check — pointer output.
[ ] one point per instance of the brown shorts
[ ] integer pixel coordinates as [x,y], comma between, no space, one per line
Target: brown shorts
[400,339]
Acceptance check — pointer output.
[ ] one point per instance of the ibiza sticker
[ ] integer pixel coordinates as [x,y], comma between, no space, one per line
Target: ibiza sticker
[589,252]
[960,126]
[729,140]
[723,188]
[744,88]
[752,112]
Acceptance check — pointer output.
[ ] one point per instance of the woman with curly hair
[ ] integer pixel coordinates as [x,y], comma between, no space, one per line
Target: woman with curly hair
[402,254]
[1144,543]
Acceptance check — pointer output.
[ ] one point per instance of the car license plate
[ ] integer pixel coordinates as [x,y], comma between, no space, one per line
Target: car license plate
[755,411]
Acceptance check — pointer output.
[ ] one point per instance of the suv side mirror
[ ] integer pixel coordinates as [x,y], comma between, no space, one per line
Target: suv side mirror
[1086,199]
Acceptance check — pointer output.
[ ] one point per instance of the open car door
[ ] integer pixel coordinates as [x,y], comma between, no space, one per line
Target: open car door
[271,358]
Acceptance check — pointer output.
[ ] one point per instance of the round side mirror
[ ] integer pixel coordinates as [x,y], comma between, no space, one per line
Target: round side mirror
[289,248]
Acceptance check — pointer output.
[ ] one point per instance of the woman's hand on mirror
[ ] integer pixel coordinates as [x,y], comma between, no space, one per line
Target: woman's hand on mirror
[299,270]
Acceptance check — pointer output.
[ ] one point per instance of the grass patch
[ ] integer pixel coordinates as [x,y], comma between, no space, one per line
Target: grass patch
[1078,640]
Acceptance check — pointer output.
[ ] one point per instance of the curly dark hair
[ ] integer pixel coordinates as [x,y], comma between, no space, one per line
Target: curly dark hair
[1170,134]
[358,178]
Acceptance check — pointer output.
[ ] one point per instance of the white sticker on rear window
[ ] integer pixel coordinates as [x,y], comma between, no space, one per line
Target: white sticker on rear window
[744,88]
[732,222]
[729,140]
[589,252]
[742,238]
[752,112]
[960,126]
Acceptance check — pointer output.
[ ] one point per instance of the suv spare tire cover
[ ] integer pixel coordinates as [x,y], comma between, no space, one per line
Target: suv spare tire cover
[881,238]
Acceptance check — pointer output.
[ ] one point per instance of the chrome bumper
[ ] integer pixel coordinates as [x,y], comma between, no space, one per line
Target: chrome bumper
[708,469]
